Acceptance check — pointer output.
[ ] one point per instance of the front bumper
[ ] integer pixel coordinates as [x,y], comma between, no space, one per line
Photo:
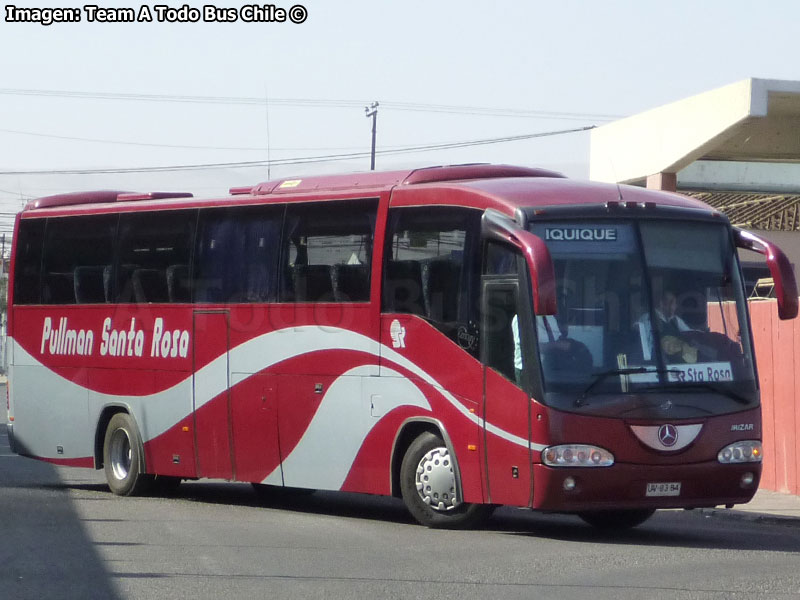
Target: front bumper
[624,486]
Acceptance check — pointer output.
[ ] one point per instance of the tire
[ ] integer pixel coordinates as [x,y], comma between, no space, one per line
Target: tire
[428,461]
[616,519]
[123,458]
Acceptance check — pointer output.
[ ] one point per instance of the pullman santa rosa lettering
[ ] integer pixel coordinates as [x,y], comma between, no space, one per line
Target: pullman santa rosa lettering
[127,340]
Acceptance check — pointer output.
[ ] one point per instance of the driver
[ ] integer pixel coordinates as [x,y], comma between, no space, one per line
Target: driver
[669,324]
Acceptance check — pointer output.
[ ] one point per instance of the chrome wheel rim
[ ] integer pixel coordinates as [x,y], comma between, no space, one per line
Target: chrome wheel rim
[436,481]
[120,455]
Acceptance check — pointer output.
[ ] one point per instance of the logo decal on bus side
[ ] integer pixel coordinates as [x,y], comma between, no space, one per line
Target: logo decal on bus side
[398,333]
[466,339]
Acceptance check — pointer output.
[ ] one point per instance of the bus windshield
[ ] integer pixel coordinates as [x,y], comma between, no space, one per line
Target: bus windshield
[651,317]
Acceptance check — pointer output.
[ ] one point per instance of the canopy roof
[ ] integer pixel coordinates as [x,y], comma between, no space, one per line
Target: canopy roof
[751,120]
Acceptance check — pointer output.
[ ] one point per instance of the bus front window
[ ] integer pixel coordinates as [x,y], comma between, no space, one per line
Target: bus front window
[645,309]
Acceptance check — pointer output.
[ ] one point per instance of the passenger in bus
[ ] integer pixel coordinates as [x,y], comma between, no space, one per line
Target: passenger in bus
[518,364]
[559,352]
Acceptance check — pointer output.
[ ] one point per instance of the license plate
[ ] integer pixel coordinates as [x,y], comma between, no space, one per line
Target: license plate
[671,488]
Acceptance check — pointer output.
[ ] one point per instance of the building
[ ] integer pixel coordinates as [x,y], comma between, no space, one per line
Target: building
[736,148]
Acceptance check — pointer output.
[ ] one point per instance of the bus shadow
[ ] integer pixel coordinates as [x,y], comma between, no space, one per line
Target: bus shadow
[65,485]
[357,506]
[46,550]
[680,529]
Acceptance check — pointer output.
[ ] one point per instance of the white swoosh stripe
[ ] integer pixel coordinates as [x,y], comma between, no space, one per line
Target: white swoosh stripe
[250,357]
[403,361]
[339,428]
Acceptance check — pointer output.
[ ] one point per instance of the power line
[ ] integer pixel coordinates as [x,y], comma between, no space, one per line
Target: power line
[181,98]
[499,112]
[300,160]
[315,103]
[14,193]
[154,145]
[106,141]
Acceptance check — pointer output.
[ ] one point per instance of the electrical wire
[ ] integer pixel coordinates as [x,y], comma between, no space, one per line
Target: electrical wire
[179,146]
[316,103]
[299,160]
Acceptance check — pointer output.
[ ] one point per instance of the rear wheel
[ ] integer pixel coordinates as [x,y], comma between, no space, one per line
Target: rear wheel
[616,519]
[123,457]
[428,486]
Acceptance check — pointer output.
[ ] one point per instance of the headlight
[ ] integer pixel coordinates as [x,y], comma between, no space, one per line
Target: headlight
[741,452]
[577,455]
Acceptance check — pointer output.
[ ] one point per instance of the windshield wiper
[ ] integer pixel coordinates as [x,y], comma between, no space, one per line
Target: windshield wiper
[630,371]
[669,405]
[681,387]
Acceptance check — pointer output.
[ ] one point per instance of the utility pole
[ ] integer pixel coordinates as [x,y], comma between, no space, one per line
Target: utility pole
[372,111]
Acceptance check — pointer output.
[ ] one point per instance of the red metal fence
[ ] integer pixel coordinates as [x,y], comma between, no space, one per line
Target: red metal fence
[777,346]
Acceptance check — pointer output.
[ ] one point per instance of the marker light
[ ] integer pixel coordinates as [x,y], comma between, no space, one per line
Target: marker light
[741,452]
[577,455]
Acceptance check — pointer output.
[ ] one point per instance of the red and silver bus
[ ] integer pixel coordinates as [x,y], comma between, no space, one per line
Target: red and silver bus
[461,337]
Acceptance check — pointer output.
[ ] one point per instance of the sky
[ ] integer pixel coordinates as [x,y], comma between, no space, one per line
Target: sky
[91,96]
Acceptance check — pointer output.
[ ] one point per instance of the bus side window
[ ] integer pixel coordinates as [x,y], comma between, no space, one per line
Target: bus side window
[28,270]
[500,260]
[77,250]
[501,323]
[236,259]
[327,251]
[90,284]
[149,244]
[501,331]
[432,268]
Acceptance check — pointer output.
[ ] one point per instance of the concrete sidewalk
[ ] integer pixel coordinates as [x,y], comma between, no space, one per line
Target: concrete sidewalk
[766,507]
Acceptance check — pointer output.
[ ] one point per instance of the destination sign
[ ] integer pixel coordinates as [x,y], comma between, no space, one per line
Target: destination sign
[584,234]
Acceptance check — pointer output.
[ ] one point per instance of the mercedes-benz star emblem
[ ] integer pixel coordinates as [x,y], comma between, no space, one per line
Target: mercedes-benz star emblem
[668,435]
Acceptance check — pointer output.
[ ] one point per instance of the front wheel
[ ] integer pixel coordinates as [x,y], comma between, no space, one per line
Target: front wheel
[616,519]
[123,457]
[428,486]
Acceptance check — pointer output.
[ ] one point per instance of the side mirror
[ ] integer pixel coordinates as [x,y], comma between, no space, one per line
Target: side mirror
[499,227]
[779,267]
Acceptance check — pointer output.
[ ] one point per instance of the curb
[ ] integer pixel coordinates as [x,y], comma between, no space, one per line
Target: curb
[752,517]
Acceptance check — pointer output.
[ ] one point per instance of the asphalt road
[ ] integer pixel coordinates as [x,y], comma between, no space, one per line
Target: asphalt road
[63,535]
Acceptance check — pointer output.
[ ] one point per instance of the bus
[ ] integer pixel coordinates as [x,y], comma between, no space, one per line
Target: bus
[460,337]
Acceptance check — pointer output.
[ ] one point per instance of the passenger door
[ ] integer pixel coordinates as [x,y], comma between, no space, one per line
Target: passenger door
[507,406]
[211,395]
[235,265]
